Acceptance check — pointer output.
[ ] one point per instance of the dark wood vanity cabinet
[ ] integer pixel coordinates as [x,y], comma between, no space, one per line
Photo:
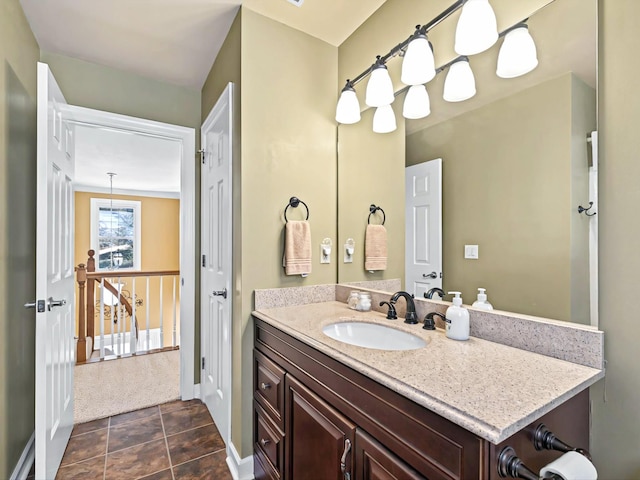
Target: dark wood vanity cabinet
[317,419]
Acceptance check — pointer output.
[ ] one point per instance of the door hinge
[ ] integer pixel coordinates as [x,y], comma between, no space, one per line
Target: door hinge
[204,260]
[202,152]
[202,363]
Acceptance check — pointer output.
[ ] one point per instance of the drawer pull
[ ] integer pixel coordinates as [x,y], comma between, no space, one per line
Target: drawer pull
[264,442]
[265,386]
[343,461]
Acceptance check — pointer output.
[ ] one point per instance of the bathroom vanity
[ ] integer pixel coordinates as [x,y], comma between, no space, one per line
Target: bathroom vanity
[324,409]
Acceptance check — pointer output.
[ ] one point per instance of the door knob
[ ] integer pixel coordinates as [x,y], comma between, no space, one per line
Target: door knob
[430,275]
[220,293]
[56,303]
[37,304]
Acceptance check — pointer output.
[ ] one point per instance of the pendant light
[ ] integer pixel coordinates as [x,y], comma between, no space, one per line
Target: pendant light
[518,54]
[379,88]
[418,65]
[115,257]
[477,28]
[416,103]
[460,84]
[384,120]
[348,108]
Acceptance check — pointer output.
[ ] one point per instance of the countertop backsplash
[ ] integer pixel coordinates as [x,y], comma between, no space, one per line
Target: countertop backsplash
[580,344]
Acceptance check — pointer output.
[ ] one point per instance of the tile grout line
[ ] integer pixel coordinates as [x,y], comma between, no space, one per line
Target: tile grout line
[104,471]
[194,428]
[202,456]
[166,443]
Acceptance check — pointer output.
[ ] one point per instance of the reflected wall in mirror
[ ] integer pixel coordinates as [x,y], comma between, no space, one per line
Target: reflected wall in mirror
[515,162]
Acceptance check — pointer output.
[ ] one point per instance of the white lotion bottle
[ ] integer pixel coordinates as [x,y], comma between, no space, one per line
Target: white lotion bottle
[482,302]
[457,318]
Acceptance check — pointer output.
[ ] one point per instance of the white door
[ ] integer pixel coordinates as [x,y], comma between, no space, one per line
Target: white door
[216,262]
[55,326]
[423,235]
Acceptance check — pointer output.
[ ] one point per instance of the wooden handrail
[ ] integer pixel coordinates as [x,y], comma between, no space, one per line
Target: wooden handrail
[126,274]
[121,298]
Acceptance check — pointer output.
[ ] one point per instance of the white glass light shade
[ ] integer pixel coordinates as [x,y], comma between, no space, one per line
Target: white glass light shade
[348,108]
[384,120]
[416,103]
[477,28]
[379,88]
[460,83]
[418,66]
[518,54]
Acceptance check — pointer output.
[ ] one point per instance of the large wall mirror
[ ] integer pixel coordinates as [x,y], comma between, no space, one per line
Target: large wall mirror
[516,164]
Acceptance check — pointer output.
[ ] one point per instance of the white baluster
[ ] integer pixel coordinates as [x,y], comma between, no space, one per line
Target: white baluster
[174,311]
[102,317]
[148,317]
[133,316]
[161,315]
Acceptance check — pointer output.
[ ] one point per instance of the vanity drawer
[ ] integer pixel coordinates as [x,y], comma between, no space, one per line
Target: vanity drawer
[269,445]
[269,386]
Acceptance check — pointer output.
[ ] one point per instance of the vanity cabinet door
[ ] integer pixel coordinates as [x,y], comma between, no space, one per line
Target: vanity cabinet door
[319,439]
[375,462]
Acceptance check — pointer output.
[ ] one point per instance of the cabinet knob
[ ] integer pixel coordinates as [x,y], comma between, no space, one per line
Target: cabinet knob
[265,386]
[264,442]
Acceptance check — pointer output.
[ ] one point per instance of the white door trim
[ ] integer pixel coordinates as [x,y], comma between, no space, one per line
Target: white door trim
[187,136]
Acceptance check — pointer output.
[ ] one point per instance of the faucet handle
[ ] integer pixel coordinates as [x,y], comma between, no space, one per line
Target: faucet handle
[391,314]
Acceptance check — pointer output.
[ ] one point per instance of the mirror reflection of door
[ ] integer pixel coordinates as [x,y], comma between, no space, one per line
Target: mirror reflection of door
[423,235]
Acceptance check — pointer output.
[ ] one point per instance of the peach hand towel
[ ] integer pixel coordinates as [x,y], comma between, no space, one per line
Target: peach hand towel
[297,247]
[375,248]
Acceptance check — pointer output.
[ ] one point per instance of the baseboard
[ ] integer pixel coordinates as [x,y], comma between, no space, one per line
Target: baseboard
[21,471]
[196,391]
[241,469]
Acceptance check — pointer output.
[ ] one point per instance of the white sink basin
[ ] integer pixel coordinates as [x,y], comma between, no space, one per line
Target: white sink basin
[373,335]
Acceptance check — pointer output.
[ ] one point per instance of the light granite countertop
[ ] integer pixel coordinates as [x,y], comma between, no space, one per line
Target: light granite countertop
[487,388]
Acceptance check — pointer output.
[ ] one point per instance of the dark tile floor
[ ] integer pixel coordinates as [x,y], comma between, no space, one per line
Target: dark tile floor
[172,441]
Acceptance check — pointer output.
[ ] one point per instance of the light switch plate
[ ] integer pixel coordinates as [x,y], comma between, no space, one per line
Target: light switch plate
[471,252]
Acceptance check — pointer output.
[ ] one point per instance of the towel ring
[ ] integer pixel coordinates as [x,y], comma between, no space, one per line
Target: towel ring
[373,209]
[295,202]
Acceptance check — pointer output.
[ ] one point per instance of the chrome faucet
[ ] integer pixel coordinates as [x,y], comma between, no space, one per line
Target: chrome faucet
[410,316]
[429,293]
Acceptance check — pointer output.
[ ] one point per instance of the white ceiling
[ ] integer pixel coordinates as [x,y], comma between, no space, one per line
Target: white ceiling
[175,41]
[141,162]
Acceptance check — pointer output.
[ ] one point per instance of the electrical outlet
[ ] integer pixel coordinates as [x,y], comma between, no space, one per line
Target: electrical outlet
[471,252]
[349,248]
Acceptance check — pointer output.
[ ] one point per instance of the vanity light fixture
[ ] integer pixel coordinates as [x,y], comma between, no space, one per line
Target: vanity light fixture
[459,84]
[348,108]
[384,120]
[476,31]
[379,88]
[416,103]
[518,54]
[418,65]
[477,28]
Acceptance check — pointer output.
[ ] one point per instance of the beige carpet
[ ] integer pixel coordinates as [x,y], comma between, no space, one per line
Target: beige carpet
[107,388]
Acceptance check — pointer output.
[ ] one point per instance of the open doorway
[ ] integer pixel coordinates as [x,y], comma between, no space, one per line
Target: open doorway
[154,184]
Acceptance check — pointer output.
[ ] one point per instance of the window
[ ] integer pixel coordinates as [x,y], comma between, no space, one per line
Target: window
[115,234]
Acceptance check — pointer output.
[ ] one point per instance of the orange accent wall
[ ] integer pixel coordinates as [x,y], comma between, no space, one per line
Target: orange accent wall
[160,250]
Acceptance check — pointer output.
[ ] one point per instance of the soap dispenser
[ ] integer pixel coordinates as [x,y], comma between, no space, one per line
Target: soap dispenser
[457,318]
[482,303]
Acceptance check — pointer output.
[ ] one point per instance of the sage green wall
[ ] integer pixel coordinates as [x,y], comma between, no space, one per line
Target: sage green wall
[284,146]
[19,53]
[507,181]
[615,435]
[104,88]
[370,170]
[288,149]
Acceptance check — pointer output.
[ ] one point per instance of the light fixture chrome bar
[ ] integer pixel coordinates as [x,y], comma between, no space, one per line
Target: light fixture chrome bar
[403,45]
